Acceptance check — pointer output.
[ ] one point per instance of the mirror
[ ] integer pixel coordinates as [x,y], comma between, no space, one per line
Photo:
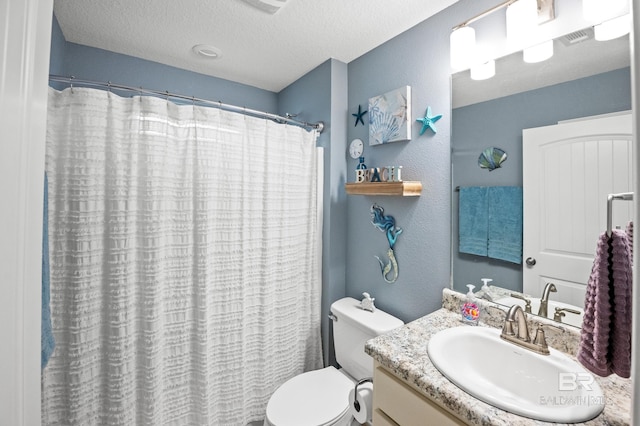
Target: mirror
[584,78]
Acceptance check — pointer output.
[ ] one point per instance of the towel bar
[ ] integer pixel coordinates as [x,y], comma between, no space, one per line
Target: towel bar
[610,199]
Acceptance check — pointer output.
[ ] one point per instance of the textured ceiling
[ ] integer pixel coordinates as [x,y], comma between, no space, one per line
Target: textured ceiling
[268,51]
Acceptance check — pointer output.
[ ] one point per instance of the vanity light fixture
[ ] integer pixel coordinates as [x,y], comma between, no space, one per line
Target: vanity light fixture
[463,44]
[613,15]
[599,10]
[522,20]
[483,71]
[538,53]
[593,9]
[613,28]
[523,17]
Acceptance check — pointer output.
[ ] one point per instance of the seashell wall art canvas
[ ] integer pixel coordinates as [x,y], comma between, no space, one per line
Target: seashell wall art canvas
[390,117]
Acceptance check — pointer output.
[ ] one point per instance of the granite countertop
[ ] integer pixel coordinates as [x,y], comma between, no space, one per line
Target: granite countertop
[404,352]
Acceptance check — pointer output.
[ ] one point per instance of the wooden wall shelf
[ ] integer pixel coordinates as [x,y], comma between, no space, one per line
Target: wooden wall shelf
[402,189]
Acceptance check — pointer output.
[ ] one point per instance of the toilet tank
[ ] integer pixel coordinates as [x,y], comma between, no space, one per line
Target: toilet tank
[351,330]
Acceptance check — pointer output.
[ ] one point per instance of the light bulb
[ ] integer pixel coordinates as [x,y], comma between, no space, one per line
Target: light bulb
[522,20]
[613,28]
[538,53]
[598,10]
[462,44]
[484,70]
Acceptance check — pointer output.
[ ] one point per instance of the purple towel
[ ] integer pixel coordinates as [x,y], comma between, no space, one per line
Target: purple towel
[605,339]
[629,232]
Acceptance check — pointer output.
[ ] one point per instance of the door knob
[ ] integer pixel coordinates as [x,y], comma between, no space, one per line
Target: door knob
[530,261]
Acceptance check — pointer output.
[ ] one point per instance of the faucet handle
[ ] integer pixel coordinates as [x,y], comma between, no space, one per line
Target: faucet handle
[507,328]
[560,313]
[540,339]
[527,302]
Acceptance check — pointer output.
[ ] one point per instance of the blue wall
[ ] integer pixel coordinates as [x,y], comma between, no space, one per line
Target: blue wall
[58,49]
[419,58]
[321,95]
[499,123]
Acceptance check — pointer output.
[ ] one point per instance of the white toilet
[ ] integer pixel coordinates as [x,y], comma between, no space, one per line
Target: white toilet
[321,397]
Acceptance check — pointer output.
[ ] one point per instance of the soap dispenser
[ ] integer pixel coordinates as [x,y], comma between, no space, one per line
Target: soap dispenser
[470,310]
[486,292]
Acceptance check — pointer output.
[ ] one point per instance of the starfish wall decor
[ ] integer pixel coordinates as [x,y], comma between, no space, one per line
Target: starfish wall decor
[359,115]
[428,121]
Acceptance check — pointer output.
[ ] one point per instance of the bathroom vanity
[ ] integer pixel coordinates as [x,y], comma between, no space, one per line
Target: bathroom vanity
[409,390]
[395,402]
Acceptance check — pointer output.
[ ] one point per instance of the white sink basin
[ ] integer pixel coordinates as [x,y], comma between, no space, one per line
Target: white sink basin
[551,388]
[569,318]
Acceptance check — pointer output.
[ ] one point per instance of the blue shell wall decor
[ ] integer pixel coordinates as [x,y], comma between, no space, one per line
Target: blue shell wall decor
[492,158]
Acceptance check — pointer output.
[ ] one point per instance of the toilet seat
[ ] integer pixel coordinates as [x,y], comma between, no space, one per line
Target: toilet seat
[318,398]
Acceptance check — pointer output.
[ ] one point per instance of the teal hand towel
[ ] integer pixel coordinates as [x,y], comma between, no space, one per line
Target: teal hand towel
[473,220]
[505,223]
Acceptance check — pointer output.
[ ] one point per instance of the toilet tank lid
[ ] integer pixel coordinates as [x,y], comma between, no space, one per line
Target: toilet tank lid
[375,323]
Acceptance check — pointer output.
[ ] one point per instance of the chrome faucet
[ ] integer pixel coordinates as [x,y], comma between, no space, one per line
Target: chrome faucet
[539,344]
[544,301]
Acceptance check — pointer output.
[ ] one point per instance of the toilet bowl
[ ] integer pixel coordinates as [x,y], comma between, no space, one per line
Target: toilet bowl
[321,397]
[315,398]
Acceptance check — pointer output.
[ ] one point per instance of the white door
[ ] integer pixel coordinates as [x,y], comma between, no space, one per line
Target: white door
[568,171]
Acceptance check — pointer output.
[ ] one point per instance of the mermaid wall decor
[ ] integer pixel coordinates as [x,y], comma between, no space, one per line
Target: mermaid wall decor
[387,224]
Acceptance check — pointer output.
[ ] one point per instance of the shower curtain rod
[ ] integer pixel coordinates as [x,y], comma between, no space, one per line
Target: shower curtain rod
[319,126]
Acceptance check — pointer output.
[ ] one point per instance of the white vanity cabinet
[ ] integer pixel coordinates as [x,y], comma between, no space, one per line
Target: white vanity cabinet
[395,403]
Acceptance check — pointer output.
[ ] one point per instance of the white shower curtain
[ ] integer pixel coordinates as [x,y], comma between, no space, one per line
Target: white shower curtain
[185,272]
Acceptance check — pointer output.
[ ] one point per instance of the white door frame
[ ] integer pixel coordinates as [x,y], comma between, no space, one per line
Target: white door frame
[25,43]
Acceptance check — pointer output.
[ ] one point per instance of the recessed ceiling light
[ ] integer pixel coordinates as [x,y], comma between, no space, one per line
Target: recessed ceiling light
[207,51]
[269,6]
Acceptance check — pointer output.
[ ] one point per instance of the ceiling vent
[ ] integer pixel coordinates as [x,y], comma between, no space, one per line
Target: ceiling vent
[577,37]
[269,6]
